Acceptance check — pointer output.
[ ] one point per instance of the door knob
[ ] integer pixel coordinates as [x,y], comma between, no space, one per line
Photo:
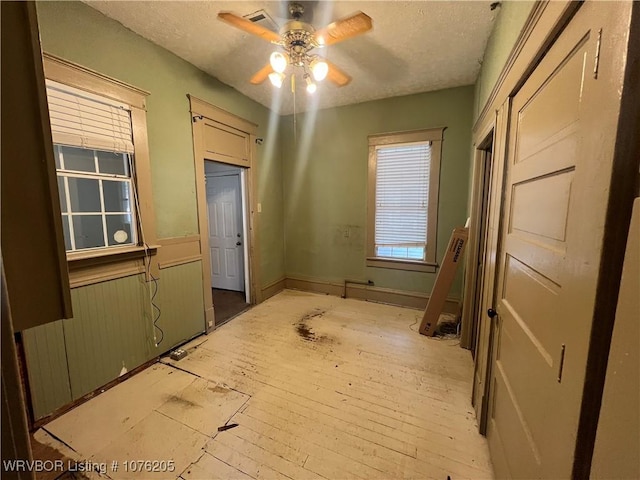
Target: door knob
[491,313]
[238,244]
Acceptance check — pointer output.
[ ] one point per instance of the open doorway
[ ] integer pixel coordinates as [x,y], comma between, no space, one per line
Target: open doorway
[484,157]
[227,219]
[481,270]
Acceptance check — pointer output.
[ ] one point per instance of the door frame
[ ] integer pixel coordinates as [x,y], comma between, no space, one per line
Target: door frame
[479,188]
[493,129]
[242,207]
[204,114]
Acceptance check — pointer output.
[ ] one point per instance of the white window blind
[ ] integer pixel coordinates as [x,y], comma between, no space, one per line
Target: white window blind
[84,120]
[402,195]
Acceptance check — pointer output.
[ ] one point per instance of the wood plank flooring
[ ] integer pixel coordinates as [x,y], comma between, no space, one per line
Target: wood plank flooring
[319,387]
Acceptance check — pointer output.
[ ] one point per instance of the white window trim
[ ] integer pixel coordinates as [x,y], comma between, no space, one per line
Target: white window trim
[435,136]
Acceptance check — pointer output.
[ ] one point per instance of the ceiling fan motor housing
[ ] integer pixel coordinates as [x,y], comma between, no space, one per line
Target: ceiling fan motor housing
[297,40]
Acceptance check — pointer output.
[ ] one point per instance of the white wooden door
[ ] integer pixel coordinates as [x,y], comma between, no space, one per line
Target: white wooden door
[225,232]
[560,150]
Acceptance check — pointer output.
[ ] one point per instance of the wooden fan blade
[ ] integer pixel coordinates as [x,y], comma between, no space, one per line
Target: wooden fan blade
[262,74]
[337,76]
[249,27]
[342,29]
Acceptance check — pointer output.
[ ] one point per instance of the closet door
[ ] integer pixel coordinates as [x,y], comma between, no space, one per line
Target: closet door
[560,148]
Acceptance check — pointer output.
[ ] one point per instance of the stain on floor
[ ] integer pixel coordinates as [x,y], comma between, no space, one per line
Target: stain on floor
[219,389]
[317,312]
[305,331]
[185,402]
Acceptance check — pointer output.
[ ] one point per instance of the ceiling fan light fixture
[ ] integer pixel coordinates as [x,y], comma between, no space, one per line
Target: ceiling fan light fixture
[311,87]
[319,69]
[296,40]
[276,79]
[279,61]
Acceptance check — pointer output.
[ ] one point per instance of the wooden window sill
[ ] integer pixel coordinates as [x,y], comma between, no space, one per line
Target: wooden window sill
[397,264]
[100,257]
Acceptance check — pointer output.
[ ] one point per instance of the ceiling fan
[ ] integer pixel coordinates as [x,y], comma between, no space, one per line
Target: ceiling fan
[297,40]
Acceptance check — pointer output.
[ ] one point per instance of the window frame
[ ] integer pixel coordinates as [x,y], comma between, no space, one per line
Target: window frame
[435,136]
[66,175]
[94,265]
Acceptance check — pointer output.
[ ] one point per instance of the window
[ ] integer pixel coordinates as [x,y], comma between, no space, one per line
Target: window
[99,132]
[94,153]
[403,194]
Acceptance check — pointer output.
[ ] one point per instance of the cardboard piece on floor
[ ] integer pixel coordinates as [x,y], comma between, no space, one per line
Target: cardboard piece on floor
[444,280]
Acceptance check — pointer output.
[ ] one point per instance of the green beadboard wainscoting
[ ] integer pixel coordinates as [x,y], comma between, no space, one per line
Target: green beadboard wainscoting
[180,302]
[325,184]
[112,329]
[47,368]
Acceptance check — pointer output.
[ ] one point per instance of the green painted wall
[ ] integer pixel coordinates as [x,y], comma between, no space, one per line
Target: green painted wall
[507,27]
[325,183]
[78,33]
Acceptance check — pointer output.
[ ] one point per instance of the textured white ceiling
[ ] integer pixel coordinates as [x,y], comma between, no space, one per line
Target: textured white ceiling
[414,46]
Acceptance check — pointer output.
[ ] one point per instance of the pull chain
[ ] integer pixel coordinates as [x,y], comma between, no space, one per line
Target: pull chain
[295,120]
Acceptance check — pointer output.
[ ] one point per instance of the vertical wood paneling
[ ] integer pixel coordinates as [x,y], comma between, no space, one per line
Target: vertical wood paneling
[111,329]
[47,368]
[181,304]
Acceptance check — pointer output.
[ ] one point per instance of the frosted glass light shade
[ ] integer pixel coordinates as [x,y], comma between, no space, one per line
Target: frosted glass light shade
[278,62]
[311,87]
[276,79]
[319,69]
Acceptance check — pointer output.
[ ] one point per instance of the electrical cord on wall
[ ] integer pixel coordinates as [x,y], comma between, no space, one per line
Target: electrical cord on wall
[155,309]
[154,306]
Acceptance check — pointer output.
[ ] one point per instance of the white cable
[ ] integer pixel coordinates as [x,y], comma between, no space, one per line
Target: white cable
[147,254]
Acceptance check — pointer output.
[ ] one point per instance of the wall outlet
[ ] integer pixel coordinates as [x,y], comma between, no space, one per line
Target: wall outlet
[259,208]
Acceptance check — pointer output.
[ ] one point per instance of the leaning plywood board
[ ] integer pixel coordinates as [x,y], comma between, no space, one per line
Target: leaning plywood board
[444,280]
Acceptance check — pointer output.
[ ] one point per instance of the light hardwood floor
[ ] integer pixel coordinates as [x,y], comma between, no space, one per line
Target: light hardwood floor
[319,387]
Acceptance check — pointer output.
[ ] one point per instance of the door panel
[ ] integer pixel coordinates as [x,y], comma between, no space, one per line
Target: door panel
[213,216]
[229,208]
[539,208]
[225,232]
[523,291]
[215,262]
[231,262]
[560,147]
